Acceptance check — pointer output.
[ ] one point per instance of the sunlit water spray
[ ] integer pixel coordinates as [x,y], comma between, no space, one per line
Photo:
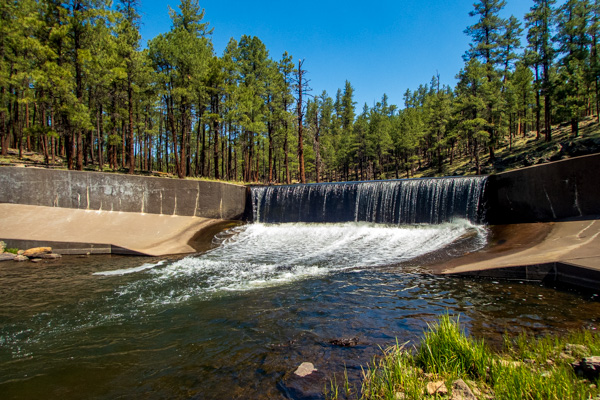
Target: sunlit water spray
[257,255]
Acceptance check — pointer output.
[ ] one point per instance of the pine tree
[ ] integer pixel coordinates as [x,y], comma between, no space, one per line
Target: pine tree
[302,89]
[540,22]
[128,33]
[573,41]
[487,46]
[181,58]
[470,106]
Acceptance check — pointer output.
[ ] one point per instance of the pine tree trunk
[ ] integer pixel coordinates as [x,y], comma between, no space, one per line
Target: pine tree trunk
[286,162]
[216,144]
[548,118]
[300,133]
[270,133]
[130,154]
[575,126]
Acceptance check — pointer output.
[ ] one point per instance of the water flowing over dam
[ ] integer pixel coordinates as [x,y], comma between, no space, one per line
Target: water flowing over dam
[399,202]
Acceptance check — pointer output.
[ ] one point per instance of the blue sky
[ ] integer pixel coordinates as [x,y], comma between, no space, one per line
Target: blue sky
[380,46]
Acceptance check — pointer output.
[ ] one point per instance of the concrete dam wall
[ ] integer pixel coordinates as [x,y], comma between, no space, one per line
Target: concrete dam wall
[122,193]
[90,212]
[546,192]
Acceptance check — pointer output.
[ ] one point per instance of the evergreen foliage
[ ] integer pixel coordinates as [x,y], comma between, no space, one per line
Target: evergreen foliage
[76,85]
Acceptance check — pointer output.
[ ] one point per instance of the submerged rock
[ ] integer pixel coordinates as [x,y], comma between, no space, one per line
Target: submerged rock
[305,383]
[346,342]
[50,256]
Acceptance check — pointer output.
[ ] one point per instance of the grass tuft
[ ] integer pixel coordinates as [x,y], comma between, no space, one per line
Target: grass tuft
[527,368]
[446,349]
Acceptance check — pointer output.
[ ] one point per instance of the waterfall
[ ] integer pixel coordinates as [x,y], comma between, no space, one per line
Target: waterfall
[408,201]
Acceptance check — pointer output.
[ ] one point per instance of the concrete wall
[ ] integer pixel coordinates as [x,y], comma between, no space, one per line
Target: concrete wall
[547,192]
[116,192]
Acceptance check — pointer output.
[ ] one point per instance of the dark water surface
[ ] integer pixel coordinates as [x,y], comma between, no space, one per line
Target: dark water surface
[237,321]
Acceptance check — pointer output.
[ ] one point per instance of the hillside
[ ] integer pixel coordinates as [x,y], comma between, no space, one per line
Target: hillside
[526,151]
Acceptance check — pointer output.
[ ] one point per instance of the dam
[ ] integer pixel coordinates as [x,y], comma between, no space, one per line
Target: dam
[237,320]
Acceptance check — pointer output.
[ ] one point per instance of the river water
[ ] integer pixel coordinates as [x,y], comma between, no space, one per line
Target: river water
[236,321]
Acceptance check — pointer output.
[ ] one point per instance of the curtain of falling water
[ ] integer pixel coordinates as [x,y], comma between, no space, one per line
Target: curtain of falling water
[411,201]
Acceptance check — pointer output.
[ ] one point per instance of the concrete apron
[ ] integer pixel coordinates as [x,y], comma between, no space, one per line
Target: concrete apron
[73,231]
[565,252]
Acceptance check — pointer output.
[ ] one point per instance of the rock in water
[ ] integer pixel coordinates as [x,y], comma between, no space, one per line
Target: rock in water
[37,251]
[345,342]
[305,383]
[305,369]
[7,256]
[50,256]
[21,257]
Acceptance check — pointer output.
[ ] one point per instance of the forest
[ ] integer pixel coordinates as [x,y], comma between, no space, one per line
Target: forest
[77,84]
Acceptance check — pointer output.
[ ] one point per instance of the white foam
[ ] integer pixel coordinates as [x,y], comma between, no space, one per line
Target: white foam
[261,255]
[129,270]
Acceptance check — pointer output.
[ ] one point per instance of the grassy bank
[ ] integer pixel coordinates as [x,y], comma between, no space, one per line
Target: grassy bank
[447,359]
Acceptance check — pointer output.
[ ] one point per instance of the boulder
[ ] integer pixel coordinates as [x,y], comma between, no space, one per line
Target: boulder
[588,367]
[576,349]
[460,391]
[7,256]
[437,388]
[21,257]
[37,251]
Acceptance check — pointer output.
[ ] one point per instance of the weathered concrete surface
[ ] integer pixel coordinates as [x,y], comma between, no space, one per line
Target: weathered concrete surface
[118,192]
[545,226]
[81,231]
[572,247]
[547,192]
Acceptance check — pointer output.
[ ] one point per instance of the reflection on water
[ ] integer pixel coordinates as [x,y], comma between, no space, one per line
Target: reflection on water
[233,323]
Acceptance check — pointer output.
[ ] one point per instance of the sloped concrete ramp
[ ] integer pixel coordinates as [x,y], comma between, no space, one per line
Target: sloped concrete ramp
[564,252]
[89,231]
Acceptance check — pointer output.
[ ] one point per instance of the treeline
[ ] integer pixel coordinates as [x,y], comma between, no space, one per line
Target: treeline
[75,83]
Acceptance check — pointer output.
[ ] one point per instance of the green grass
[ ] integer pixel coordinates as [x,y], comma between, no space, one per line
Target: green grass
[447,350]
[526,367]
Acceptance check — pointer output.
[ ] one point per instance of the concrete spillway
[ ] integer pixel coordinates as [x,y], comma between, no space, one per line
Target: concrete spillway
[90,212]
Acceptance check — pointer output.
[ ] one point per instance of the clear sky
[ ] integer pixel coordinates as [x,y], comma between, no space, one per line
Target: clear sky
[379,46]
